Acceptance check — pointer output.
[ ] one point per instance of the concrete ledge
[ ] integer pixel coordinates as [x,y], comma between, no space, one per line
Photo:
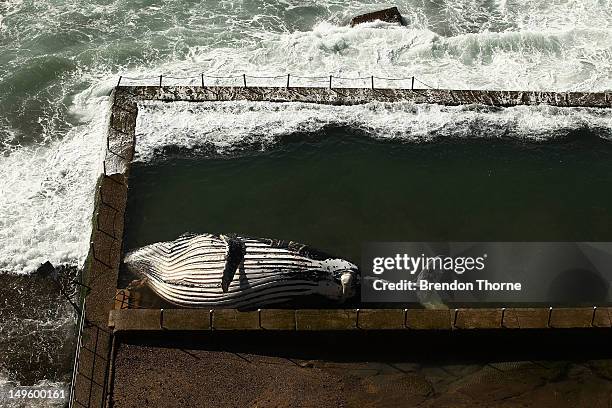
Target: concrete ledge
[343,319]
[603,317]
[277,319]
[123,120]
[362,319]
[135,319]
[232,319]
[106,219]
[571,317]
[121,145]
[113,192]
[428,319]
[102,246]
[381,319]
[186,319]
[478,319]
[526,318]
[130,95]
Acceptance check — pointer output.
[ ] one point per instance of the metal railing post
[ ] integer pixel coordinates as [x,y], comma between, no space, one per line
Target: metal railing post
[119,81]
[288,80]
[372,81]
[160,81]
[202,75]
[330,82]
[550,309]
[412,87]
[244,80]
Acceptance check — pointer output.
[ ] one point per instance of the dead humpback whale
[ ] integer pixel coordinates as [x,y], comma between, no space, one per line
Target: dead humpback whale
[209,270]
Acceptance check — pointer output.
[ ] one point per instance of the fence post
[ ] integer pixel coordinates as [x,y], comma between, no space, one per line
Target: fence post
[372,81]
[160,81]
[330,80]
[550,309]
[202,80]
[288,80]
[244,79]
[412,87]
[119,81]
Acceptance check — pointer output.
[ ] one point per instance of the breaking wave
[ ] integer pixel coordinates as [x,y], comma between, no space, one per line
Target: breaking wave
[229,126]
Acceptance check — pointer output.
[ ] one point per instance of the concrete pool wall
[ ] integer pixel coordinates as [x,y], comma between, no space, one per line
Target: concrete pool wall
[92,378]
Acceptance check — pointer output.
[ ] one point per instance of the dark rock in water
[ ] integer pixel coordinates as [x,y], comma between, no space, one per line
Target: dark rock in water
[46,270]
[390,15]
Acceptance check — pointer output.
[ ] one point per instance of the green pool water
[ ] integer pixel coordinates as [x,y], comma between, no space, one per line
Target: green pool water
[340,188]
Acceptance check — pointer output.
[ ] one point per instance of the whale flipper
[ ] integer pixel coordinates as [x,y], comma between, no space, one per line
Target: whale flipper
[235,256]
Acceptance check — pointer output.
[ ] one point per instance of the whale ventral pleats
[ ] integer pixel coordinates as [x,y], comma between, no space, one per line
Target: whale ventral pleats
[390,15]
[200,271]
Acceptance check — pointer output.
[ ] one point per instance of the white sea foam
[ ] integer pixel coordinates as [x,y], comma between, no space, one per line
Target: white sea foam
[228,126]
[561,57]
[8,7]
[46,195]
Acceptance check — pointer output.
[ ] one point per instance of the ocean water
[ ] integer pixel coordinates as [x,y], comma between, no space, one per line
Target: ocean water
[59,60]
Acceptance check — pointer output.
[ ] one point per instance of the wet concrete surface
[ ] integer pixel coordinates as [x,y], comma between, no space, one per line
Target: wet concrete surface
[571,368]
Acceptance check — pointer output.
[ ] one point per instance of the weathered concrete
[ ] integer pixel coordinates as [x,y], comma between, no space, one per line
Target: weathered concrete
[365,369]
[230,319]
[129,96]
[381,319]
[429,319]
[341,319]
[137,319]
[126,320]
[276,319]
[526,318]
[185,319]
[102,268]
[478,318]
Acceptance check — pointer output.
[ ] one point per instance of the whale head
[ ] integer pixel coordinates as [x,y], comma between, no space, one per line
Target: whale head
[139,263]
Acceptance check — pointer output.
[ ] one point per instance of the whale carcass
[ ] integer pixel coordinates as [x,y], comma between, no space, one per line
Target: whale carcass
[209,270]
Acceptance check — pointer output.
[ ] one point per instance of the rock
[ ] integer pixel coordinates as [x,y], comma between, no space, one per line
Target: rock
[46,270]
[390,15]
